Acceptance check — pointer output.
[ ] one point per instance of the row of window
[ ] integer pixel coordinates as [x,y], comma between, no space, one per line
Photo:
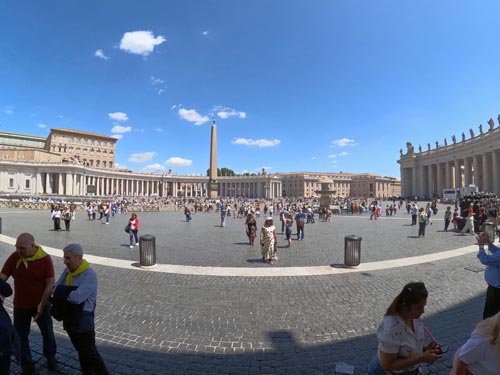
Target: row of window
[95,142]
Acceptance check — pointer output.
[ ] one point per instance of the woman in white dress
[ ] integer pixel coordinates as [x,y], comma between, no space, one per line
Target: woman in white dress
[268,241]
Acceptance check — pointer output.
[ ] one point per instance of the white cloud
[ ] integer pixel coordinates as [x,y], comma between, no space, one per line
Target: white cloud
[155,81]
[154,168]
[158,130]
[142,158]
[224,113]
[343,153]
[344,142]
[100,53]
[256,142]
[192,116]
[204,33]
[140,42]
[9,110]
[118,116]
[178,162]
[117,136]
[121,129]
[313,158]
[175,106]
[41,125]
[160,91]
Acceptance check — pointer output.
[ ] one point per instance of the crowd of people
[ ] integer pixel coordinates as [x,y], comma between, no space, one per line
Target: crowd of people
[402,347]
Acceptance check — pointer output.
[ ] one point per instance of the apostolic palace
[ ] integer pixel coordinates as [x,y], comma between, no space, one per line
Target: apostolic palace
[472,159]
[77,163]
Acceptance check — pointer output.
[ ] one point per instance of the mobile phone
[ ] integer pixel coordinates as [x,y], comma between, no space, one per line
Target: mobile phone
[445,349]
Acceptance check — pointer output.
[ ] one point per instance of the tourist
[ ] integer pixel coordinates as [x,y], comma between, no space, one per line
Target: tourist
[133,224]
[107,212]
[422,222]
[455,219]
[223,214]
[289,224]
[67,215]
[251,228]
[6,330]
[75,296]
[300,219]
[428,211]
[414,213]
[56,218]
[480,354]
[491,274]
[268,241]
[33,274]
[469,225]
[90,212]
[187,214]
[401,335]
[447,218]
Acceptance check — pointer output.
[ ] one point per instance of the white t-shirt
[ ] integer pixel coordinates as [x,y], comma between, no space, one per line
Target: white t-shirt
[480,356]
[394,336]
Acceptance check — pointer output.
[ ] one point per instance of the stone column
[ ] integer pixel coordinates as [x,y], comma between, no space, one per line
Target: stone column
[495,175]
[486,178]
[69,184]
[476,171]
[439,179]
[414,184]
[60,185]
[448,179]
[458,174]
[38,183]
[467,172]
[430,180]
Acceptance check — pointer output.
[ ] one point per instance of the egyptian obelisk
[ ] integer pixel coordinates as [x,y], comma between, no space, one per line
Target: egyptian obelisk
[213,186]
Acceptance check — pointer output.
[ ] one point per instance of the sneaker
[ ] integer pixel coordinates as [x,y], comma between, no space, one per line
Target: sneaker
[107,223]
[131,246]
[52,364]
[137,244]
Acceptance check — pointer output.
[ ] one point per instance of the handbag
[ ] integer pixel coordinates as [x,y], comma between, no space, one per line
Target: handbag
[127,228]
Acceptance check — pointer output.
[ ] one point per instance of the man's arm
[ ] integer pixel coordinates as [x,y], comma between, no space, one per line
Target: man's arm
[87,288]
[49,284]
[3,277]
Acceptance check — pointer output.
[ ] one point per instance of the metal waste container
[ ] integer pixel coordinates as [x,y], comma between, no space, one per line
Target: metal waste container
[352,250]
[147,251]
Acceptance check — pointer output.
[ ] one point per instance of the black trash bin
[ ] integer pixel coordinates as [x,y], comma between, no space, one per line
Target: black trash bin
[147,250]
[352,250]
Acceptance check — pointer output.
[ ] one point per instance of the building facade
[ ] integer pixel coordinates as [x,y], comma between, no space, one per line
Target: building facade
[472,160]
[75,163]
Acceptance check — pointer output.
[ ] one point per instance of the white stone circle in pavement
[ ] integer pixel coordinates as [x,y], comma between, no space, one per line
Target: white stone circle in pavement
[271,271]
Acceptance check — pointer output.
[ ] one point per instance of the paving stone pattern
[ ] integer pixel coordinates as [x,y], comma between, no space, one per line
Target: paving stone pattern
[154,323]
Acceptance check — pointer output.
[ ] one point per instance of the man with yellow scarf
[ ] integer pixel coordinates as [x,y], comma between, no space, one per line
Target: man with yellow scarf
[78,286]
[33,274]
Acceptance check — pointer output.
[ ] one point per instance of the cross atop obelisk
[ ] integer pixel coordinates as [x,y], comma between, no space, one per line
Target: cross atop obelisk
[213,186]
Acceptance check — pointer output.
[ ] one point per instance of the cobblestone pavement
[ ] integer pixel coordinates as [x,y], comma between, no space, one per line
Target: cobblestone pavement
[157,323]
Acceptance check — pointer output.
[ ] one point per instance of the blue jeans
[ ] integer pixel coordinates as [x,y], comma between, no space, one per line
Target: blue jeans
[300,233]
[22,323]
[133,235]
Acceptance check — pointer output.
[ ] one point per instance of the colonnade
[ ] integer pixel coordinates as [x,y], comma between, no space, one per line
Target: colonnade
[267,189]
[471,162]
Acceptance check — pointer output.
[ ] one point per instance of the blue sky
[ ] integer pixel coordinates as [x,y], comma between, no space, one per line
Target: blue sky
[319,85]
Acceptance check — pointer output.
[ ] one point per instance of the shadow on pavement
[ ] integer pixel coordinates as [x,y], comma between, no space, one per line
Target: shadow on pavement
[288,354]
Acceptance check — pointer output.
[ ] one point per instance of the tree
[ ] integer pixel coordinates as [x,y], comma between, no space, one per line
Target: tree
[223,172]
